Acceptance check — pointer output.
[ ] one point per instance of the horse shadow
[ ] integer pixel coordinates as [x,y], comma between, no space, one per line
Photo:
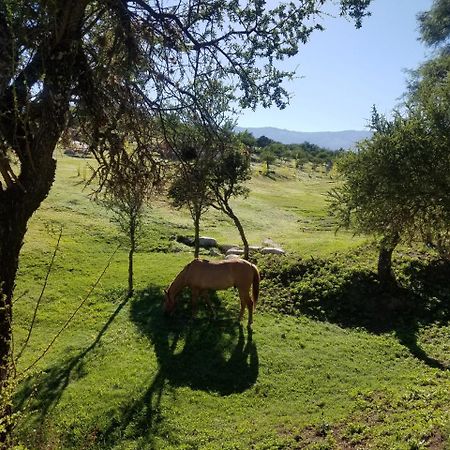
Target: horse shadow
[202,353]
[211,355]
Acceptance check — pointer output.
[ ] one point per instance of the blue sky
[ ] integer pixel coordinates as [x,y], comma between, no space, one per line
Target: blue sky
[343,71]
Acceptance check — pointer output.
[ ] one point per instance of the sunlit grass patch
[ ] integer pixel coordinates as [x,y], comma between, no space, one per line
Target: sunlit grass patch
[124,376]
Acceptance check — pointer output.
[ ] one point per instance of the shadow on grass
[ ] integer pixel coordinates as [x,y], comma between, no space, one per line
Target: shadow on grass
[205,354]
[423,299]
[428,293]
[404,310]
[202,353]
[212,355]
[352,297]
[47,391]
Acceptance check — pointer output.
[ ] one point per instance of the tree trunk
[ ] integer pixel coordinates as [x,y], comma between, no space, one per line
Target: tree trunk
[32,136]
[240,228]
[385,272]
[130,271]
[197,235]
[17,204]
[12,230]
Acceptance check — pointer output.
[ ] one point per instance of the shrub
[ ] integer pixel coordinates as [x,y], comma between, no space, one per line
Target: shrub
[345,290]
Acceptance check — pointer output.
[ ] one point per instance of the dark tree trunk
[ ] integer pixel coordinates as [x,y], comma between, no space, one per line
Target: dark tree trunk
[240,228]
[32,136]
[197,235]
[130,272]
[11,236]
[130,260]
[385,272]
[17,205]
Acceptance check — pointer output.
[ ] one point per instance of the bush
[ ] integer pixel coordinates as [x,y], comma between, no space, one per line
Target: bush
[346,291]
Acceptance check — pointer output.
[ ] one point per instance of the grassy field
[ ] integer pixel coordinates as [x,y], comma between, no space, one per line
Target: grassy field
[122,376]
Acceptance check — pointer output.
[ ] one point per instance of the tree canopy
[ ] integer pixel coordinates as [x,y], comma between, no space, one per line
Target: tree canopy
[435,23]
[397,185]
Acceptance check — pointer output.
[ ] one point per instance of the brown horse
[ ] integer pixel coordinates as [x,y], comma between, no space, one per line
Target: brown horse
[200,275]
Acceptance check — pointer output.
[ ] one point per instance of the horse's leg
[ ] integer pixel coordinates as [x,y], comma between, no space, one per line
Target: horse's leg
[242,298]
[250,308]
[246,300]
[205,295]
[194,296]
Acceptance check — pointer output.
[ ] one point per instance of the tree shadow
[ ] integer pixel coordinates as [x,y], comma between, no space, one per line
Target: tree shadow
[354,298]
[428,293]
[408,338]
[205,354]
[421,300]
[213,355]
[46,389]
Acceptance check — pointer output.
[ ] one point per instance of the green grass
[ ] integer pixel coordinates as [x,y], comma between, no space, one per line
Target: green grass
[122,376]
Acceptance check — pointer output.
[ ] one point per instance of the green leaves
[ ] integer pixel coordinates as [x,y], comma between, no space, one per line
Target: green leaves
[397,180]
[435,23]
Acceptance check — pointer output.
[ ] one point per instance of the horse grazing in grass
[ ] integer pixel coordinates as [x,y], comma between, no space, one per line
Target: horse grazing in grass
[200,275]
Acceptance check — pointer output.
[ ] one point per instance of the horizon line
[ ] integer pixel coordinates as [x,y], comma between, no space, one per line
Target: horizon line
[299,131]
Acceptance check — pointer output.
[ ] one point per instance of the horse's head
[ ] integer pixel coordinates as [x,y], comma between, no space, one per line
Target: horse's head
[169,302]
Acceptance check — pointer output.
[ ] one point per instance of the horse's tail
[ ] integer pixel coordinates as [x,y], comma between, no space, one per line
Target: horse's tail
[255,286]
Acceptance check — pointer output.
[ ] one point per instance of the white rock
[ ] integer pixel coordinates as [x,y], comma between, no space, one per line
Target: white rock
[235,251]
[273,251]
[232,257]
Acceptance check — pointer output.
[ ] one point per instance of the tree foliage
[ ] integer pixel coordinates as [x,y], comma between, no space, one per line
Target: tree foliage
[435,24]
[397,185]
[389,181]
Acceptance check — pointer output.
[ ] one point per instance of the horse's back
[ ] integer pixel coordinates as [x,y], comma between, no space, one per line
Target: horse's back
[218,275]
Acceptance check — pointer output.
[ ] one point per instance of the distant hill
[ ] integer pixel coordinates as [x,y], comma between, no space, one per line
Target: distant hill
[333,140]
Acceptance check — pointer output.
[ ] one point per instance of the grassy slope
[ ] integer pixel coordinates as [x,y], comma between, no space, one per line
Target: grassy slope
[121,376]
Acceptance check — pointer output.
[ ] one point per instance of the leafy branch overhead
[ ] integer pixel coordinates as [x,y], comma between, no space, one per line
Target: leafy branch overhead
[111,59]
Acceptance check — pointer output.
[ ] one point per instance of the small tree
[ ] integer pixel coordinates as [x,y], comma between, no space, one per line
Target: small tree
[189,188]
[267,157]
[126,192]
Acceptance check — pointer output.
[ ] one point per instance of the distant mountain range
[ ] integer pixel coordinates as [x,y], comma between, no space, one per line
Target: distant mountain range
[333,140]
